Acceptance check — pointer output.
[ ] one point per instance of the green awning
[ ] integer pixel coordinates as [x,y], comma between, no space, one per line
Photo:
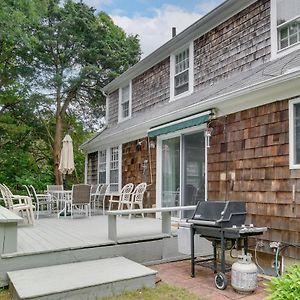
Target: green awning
[194,120]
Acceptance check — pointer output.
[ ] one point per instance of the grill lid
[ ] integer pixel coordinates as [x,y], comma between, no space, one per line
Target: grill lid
[220,213]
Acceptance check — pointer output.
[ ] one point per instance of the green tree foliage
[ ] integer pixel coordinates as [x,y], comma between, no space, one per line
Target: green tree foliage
[76,53]
[54,59]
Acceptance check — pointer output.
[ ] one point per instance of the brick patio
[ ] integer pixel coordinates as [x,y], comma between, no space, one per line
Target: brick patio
[178,274]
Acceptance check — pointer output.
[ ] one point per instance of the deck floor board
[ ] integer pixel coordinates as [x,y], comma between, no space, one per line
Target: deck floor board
[52,234]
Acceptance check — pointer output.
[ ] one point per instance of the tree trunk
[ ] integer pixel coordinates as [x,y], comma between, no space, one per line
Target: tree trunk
[57,148]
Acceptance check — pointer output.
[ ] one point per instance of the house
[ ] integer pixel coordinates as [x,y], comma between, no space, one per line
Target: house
[214,114]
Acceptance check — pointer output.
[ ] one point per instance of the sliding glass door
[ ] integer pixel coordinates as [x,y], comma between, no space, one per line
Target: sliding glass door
[193,162]
[171,173]
[183,170]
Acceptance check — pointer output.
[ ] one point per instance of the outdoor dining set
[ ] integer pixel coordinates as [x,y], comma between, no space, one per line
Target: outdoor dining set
[82,198]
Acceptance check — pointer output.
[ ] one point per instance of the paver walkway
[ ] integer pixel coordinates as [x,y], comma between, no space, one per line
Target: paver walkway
[178,274]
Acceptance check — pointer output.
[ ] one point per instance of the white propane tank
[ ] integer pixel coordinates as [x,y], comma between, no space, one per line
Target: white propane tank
[244,274]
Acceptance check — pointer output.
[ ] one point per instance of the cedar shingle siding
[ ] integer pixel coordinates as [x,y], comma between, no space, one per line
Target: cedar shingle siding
[133,171]
[240,43]
[157,81]
[249,160]
[113,108]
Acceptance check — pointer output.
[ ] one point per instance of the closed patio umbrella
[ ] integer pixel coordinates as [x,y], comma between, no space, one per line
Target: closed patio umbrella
[66,165]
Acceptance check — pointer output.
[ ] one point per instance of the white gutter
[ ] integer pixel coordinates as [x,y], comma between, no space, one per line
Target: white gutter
[140,130]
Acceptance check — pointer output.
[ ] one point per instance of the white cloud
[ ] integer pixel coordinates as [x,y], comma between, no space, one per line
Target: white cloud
[155,31]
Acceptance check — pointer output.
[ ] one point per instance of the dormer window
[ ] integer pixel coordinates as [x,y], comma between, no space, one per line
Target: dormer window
[125,102]
[181,72]
[285,19]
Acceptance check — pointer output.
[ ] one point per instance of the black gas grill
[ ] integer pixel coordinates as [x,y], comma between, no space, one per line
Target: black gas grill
[221,222]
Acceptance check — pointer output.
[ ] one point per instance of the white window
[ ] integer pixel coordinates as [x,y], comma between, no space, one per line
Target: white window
[125,102]
[285,26]
[294,133]
[114,169]
[181,72]
[102,166]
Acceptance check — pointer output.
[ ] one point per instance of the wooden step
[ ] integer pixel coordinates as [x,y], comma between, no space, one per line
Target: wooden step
[81,280]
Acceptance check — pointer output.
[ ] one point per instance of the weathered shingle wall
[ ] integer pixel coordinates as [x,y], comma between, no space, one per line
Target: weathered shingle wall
[249,160]
[240,43]
[151,87]
[113,107]
[136,171]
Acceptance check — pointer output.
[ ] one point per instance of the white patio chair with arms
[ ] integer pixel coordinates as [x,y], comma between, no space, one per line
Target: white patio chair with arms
[81,199]
[101,196]
[23,205]
[94,193]
[138,196]
[42,201]
[124,197]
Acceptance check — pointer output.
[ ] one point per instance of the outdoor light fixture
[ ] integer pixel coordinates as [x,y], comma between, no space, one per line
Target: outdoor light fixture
[208,132]
[152,144]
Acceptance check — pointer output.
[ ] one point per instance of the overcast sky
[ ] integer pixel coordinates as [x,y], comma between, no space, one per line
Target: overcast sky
[153,20]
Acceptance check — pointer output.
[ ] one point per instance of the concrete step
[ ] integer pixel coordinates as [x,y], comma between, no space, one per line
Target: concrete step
[82,280]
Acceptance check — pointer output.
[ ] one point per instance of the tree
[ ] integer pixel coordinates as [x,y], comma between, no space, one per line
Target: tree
[75,54]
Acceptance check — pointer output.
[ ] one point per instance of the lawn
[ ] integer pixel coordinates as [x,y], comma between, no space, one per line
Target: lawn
[161,292]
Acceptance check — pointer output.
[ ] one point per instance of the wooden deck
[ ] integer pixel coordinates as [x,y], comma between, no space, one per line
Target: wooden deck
[52,234]
[53,241]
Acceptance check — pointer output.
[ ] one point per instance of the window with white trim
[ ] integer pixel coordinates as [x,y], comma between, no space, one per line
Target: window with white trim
[181,70]
[114,169]
[125,102]
[102,166]
[285,16]
[181,77]
[294,133]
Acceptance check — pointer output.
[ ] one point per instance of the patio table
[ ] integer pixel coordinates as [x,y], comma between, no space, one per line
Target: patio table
[62,198]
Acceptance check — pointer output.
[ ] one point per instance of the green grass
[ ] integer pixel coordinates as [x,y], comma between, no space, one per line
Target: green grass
[4,294]
[161,292]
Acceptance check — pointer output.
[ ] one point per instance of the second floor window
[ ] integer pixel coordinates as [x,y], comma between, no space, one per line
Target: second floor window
[181,72]
[125,102]
[288,22]
[181,77]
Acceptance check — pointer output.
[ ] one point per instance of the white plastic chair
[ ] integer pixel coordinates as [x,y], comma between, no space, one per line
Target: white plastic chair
[23,205]
[124,197]
[138,196]
[42,201]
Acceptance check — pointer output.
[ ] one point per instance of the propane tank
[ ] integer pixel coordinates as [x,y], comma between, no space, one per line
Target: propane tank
[244,274]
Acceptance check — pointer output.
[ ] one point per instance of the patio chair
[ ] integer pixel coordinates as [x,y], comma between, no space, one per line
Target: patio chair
[138,196]
[23,206]
[81,199]
[123,198]
[42,201]
[94,192]
[100,197]
[54,187]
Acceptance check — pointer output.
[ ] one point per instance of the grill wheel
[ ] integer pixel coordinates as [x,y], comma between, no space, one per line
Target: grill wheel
[221,281]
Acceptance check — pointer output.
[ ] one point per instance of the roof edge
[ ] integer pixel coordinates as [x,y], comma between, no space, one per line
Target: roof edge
[206,104]
[209,21]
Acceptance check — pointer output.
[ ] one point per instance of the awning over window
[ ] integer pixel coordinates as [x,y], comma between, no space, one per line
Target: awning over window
[180,124]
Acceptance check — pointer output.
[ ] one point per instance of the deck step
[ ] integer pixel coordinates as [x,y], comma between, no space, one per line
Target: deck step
[81,280]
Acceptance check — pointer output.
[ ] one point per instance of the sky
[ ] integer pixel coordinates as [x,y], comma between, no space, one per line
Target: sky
[153,20]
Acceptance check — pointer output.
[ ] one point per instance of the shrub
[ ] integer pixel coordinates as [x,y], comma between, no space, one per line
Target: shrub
[286,287]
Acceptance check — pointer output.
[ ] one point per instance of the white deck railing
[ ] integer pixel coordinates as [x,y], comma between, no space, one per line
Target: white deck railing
[165,217]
